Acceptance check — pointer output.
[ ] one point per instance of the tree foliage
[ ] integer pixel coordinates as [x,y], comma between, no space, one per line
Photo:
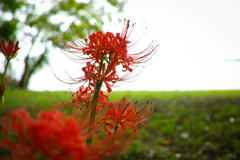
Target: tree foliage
[32,22]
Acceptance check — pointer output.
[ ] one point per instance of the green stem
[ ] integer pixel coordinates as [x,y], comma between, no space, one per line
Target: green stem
[4,74]
[95,96]
[5,71]
[93,104]
[93,112]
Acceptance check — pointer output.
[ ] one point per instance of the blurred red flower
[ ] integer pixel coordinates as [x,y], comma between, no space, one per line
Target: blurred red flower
[52,135]
[9,51]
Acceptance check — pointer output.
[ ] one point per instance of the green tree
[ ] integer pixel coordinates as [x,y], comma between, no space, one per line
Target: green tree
[32,22]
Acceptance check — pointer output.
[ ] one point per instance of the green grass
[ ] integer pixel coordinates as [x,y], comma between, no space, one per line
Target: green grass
[201,125]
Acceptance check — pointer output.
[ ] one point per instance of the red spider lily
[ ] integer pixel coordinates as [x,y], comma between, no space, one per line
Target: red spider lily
[123,114]
[105,44]
[107,75]
[82,96]
[99,44]
[108,45]
[9,51]
[52,135]
[106,49]
[85,96]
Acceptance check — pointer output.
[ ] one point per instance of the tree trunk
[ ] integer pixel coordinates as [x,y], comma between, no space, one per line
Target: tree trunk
[30,69]
[31,65]
[24,80]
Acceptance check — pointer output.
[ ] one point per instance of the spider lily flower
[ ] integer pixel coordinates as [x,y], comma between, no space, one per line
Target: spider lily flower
[108,45]
[11,50]
[123,114]
[107,49]
[107,75]
[86,95]
[82,96]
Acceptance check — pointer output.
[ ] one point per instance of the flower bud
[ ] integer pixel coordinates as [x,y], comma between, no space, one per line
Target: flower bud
[11,50]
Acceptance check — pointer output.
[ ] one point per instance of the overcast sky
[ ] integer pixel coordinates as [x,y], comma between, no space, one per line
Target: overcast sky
[199,46]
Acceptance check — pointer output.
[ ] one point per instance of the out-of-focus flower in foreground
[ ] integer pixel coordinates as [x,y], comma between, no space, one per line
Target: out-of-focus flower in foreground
[52,135]
[11,50]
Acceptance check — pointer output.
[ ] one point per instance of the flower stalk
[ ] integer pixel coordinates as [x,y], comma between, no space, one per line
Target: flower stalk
[93,104]
[2,87]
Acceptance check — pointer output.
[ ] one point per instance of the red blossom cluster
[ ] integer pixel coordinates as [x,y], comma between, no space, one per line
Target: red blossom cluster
[123,114]
[104,52]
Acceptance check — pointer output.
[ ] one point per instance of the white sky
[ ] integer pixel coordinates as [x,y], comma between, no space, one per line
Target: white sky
[196,38]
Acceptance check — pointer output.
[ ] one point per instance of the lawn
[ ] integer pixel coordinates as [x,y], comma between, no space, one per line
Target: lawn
[199,125]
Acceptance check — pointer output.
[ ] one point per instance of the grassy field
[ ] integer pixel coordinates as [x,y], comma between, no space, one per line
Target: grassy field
[199,125]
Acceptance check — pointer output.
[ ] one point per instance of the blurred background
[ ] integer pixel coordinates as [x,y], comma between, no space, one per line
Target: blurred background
[199,50]
[199,41]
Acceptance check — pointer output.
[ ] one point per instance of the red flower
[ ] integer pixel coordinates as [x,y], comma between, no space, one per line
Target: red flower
[105,45]
[123,114]
[107,75]
[104,52]
[52,135]
[86,95]
[9,51]
[110,46]
[82,96]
